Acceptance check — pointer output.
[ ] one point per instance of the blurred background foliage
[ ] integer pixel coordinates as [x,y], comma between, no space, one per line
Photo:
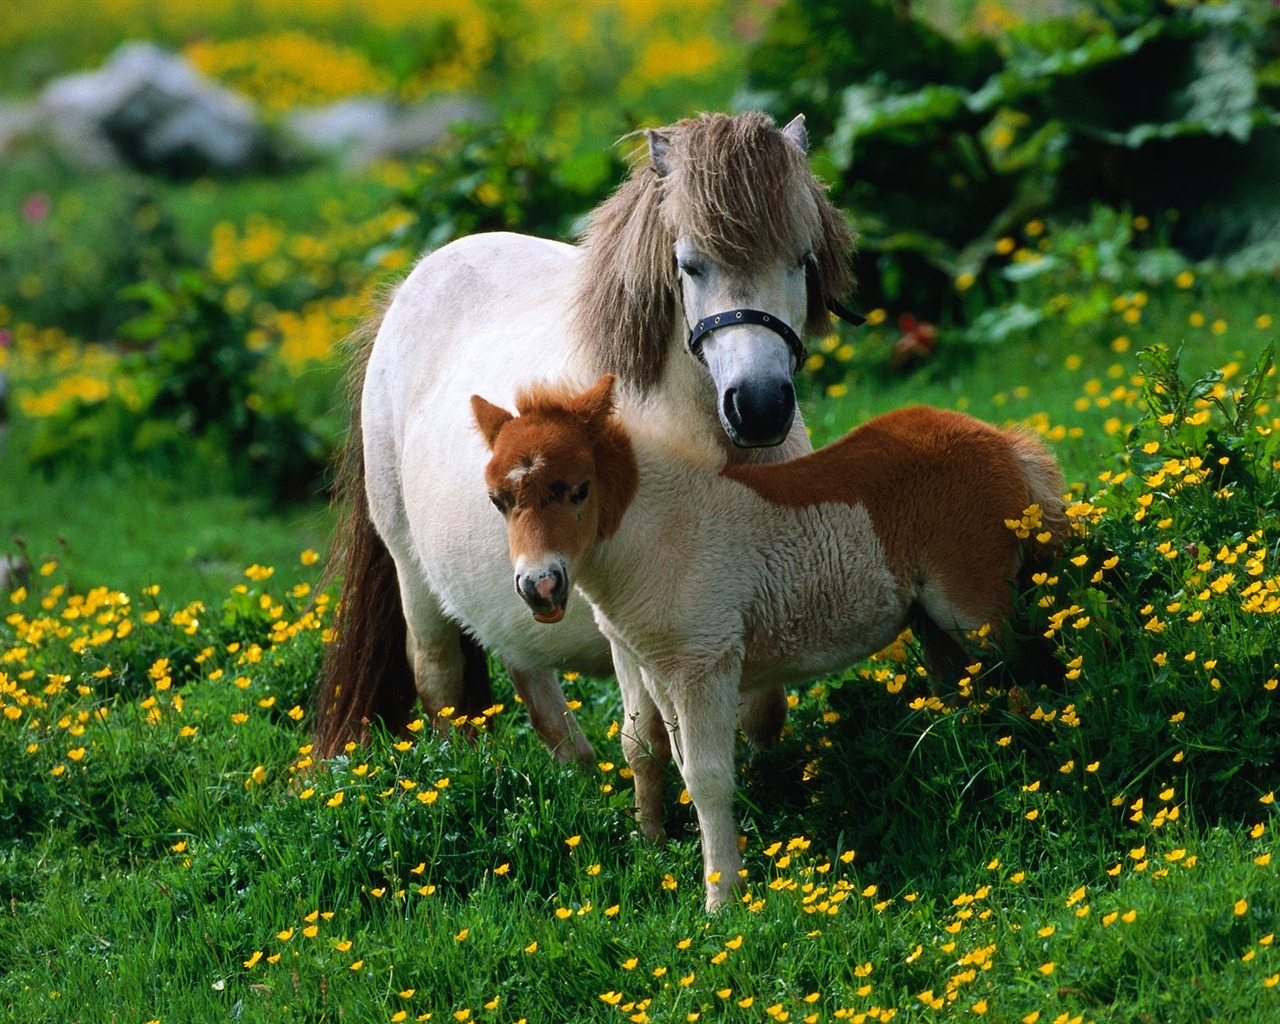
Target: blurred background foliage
[1168,109]
[1005,163]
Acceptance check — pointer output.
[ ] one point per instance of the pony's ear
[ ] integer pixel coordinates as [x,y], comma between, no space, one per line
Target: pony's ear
[595,405]
[489,418]
[659,148]
[796,134]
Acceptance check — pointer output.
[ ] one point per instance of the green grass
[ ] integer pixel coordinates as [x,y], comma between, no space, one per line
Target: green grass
[1000,867]
[128,528]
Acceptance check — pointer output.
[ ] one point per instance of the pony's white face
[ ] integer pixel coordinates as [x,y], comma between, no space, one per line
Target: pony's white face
[751,365]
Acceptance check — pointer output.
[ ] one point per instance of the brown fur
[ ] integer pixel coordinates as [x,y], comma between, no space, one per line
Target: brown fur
[366,675]
[596,446]
[743,194]
[979,474]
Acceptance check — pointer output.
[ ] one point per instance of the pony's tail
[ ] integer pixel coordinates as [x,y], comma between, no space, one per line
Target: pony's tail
[1045,485]
[366,673]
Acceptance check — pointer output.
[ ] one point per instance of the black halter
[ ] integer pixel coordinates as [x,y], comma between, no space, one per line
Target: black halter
[699,331]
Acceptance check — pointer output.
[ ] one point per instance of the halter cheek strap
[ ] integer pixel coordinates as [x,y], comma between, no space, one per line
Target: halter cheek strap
[732,317]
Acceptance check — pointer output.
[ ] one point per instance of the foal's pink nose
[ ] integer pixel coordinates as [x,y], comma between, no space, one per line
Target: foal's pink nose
[545,589]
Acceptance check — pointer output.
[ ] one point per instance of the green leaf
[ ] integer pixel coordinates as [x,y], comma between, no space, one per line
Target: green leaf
[998,324]
[868,110]
[1026,74]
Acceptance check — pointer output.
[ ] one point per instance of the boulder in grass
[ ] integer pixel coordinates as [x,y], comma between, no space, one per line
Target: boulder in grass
[152,110]
[364,129]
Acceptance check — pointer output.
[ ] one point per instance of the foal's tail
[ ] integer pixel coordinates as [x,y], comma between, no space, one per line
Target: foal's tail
[366,673]
[1045,485]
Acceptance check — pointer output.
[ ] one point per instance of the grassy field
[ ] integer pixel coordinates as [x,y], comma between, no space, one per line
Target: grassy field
[1097,848]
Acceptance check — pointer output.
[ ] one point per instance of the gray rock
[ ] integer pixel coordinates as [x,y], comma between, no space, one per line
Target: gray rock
[150,109]
[364,129]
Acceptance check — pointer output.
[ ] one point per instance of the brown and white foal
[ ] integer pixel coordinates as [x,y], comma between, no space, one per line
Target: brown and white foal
[714,581]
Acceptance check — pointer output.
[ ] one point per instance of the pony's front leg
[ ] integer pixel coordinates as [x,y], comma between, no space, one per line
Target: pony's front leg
[645,745]
[705,706]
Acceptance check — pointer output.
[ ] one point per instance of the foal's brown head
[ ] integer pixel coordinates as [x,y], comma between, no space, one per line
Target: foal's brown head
[562,473]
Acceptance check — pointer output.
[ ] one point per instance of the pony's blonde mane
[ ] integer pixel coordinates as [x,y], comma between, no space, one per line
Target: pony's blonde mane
[743,194]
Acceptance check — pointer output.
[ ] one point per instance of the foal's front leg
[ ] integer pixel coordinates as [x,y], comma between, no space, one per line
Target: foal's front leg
[703,715]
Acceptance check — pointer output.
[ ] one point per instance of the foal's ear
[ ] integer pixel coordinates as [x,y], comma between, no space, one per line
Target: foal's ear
[490,419]
[595,405]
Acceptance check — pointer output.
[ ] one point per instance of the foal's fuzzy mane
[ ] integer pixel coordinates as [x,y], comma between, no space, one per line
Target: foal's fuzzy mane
[615,458]
[743,194]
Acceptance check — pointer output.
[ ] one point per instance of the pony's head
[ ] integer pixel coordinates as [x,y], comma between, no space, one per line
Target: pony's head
[562,473]
[724,218]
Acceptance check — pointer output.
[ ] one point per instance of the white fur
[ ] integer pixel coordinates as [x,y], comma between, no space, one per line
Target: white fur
[487,315]
[697,616]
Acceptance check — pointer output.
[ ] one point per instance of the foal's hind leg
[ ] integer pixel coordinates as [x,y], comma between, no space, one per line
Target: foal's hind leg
[762,715]
[552,720]
[944,657]
[941,617]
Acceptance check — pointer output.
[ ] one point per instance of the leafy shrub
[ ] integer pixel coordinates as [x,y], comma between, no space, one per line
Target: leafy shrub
[1161,622]
[502,178]
[942,147]
[68,249]
[191,388]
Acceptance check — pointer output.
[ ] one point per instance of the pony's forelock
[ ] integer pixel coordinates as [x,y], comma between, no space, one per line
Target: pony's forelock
[739,191]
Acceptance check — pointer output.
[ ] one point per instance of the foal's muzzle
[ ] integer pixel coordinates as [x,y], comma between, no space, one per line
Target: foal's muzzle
[545,590]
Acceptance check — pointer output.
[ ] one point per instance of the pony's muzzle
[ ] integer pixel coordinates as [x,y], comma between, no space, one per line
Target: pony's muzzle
[758,414]
[545,590]
[751,370]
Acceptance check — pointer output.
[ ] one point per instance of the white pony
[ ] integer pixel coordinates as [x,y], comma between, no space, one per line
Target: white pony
[712,581]
[721,242]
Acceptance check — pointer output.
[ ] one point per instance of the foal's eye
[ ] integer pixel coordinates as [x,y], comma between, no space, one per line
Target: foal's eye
[580,492]
[499,503]
[689,269]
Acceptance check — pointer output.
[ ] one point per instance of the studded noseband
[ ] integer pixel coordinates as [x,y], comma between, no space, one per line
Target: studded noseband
[699,331]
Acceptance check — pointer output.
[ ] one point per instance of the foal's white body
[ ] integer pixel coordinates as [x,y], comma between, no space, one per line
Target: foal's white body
[699,618]
[786,593]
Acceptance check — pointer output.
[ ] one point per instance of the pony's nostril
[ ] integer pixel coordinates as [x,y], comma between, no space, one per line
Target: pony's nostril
[730,406]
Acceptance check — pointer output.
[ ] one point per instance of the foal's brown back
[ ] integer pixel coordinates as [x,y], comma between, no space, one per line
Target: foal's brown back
[939,486]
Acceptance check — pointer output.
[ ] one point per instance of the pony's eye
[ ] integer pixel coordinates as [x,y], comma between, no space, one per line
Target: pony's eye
[499,502]
[689,269]
[581,491]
